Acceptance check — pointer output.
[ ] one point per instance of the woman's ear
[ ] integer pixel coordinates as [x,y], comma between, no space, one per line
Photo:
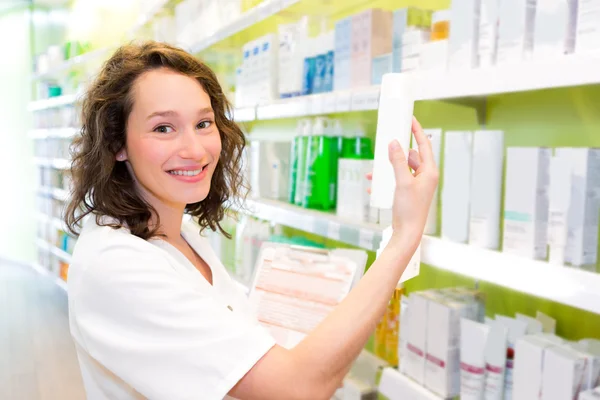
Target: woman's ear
[121,155]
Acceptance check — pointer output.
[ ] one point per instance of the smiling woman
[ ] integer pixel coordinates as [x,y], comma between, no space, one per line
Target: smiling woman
[152,310]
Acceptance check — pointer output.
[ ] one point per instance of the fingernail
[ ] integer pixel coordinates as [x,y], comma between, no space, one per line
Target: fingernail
[395,145]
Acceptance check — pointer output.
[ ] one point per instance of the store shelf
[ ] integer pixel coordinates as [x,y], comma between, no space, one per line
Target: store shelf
[570,286]
[449,86]
[63,255]
[146,17]
[71,63]
[45,273]
[51,133]
[61,284]
[566,285]
[261,12]
[59,194]
[245,114]
[396,386]
[52,102]
[56,163]
[363,235]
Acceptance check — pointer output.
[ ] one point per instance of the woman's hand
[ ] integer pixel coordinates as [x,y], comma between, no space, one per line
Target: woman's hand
[414,191]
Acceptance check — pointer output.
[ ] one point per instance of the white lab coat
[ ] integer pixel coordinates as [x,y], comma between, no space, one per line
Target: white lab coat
[146,324]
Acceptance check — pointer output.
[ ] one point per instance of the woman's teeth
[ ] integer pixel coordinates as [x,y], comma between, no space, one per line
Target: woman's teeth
[186,173]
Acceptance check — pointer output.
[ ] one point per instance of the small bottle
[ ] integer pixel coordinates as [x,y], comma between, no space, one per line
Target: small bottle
[440,25]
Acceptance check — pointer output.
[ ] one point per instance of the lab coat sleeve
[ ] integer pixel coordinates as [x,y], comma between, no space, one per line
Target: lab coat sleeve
[161,335]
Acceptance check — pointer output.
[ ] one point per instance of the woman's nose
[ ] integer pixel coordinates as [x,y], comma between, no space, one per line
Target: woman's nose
[191,145]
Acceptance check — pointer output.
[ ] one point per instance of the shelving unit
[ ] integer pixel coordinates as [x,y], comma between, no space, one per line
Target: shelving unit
[62,133]
[146,17]
[56,163]
[396,386]
[53,102]
[261,12]
[574,287]
[72,63]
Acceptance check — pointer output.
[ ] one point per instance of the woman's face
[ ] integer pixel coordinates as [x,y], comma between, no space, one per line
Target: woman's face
[173,143]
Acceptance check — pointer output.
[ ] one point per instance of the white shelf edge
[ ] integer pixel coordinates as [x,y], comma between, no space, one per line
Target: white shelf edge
[431,85]
[565,285]
[40,269]
[61,284]
[72,62]
[46,133]
[56,163]
[363,235]
[251,17]
[52,102]
[46,273]
[63,255]
[396,386]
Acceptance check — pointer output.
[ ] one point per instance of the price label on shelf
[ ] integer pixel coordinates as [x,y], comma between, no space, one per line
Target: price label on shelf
[343,101]
[365,239]
[329,103]
[366,99]
[333,230]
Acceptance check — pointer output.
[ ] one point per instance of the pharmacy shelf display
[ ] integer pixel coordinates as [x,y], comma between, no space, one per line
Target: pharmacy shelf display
[574,287]
[430,85]
[396,386]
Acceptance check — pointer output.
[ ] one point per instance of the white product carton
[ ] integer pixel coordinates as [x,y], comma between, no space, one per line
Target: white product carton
[515,30]
[457,185]
[561,173]
[528,367]
[267,69]
[292,47]
[416,338]
[474,336]
[582,234]
[269,169]
[352,197]
[564,373]
[435,138]
[434,55]
[464,34]
[488,32]
[342,54]
[555,28]
[534,326]
[588,30]
[442,365]
[526,202]
[486,189]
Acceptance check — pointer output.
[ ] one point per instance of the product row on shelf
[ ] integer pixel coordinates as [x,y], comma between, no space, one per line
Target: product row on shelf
[443,341]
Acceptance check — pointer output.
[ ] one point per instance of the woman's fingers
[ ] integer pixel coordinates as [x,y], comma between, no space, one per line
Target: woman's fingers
[423,143]
[399,163]
[414,159]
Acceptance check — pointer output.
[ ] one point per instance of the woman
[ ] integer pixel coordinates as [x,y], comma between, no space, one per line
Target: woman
[153,312]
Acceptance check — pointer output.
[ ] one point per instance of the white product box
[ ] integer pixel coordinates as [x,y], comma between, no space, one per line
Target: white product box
[588,30]
[526,201]
[342,54]
[464,34]
[457,185]
[488,32]
[435,138]
[406,20]
[442,365]
[292,47]
[582,234]
[561,172]
[267,69]
[486,189]
[555,28]
[371,37]
[515,30]
[528,367]
[474,336]
[394,121]
[269,169]
[381,65]
[534,327]
[564,373]
[352,197]
[416,338]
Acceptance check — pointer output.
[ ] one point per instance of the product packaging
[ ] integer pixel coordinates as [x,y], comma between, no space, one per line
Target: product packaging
[457,185]
[342,54]
[473,338]
[488,32]
[435,138]
[464,34]
[495,361]
[515,30]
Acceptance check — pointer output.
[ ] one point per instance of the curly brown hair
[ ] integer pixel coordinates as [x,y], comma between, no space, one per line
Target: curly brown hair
[104,187]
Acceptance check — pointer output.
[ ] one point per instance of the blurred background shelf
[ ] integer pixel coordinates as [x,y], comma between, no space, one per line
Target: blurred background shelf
[50,133]
[52,102]
[56,163]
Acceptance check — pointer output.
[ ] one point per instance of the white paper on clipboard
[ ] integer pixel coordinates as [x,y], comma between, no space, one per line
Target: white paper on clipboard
[295,288]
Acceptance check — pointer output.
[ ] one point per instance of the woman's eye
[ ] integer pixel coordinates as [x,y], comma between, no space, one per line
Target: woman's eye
[204,124]
[163,129]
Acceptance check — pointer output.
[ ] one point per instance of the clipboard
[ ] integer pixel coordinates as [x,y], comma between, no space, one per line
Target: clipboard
[294,288]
